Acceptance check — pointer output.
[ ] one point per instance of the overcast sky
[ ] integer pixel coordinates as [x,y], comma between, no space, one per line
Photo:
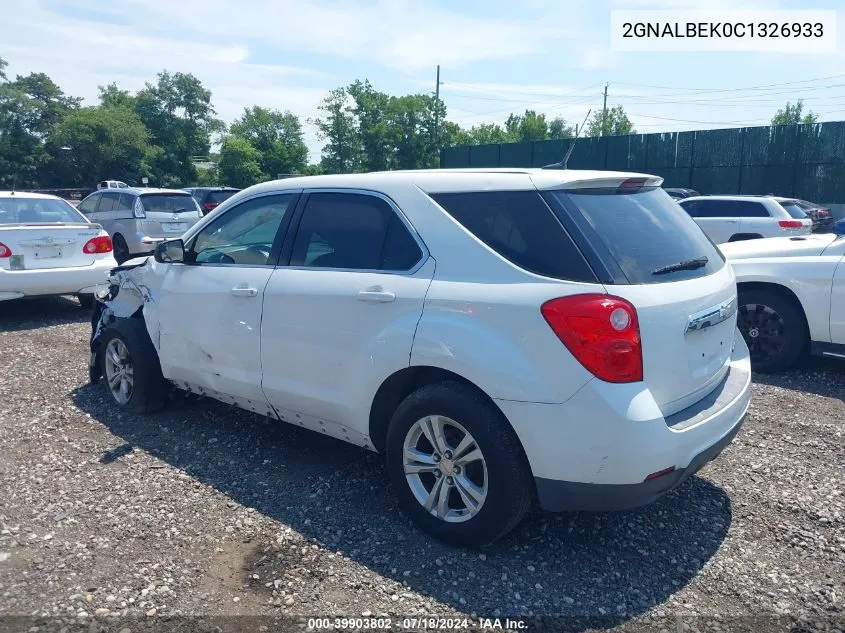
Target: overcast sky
[497,56]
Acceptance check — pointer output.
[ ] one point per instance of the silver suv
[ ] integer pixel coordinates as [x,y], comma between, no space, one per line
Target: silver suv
[138,219]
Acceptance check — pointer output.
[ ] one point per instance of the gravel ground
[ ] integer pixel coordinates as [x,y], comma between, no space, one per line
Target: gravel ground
[109,518]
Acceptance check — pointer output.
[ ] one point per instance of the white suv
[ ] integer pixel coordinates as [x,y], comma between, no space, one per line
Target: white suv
[733,218]
[497,334]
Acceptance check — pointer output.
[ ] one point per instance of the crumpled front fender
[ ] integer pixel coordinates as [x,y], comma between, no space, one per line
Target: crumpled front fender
[132,293]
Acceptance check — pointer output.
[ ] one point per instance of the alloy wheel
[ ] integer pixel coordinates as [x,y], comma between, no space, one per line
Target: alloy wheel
[445,468]
[120,373]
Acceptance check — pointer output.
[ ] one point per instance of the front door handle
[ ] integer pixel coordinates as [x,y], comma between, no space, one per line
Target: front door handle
[244,291]
[376,294]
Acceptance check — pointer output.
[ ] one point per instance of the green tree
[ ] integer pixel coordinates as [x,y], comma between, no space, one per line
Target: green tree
[559,129]
[3,64]
[343,151]
[793,115]
[29,108]
[412,131]
[612,122]
[487,133]
[240,163]
[113,97]
[177,112]
[526,127]
[372,110]
[96,143]
[278,138]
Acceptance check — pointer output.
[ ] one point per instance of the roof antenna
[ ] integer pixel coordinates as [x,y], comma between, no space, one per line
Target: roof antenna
[562,164]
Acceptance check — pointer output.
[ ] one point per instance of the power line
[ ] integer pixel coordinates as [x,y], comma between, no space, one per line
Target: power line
[717,90]
[488,89]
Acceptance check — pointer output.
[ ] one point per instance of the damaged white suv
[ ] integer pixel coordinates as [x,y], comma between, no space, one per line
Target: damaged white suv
[499,335]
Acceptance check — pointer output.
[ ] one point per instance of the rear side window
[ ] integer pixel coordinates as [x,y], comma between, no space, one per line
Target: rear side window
[108,201]
[126,202]
[520,227]
[352,231]
[641,232]
[794,210]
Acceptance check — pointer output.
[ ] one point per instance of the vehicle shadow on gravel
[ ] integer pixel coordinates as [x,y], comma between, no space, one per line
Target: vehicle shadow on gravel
[37,312]
[816,375]
[614,566]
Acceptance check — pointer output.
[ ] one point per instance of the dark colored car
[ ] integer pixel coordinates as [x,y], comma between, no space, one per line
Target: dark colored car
[821,217]
[209,197]
[680,194]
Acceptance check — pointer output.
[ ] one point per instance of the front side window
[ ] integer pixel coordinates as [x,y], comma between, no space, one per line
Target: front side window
[89,205]
[246,234]
[355,232]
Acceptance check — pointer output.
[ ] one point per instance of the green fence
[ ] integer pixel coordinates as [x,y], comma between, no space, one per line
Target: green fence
[804,161]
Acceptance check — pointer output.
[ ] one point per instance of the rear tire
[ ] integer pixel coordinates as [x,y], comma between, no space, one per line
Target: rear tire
[131,368]
[495,469]
[121,249]
[774,329]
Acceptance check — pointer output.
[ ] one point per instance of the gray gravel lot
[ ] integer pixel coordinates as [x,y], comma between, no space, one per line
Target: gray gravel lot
[206,509]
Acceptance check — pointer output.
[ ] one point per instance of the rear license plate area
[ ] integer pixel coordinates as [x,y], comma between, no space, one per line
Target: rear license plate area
[709,349]
[174,227]
[47,253]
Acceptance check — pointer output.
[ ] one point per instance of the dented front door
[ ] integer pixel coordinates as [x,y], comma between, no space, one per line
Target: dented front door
[210,308]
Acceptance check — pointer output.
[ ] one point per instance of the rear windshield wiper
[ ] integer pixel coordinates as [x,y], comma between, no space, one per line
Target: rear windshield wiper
[689,264]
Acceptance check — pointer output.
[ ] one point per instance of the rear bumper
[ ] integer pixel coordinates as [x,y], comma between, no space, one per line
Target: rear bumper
[559,496]
[595,451]
[54,281]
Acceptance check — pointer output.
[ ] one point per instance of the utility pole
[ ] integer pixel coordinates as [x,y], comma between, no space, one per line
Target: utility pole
[604,111]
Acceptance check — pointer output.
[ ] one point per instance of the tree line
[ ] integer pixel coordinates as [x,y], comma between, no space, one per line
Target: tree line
[162,132]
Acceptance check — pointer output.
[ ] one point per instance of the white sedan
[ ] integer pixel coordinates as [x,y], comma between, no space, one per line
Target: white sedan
[49,248]
[791,297]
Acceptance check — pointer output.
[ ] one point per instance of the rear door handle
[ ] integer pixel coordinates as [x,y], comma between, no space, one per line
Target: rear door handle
[243,291]
[376,294]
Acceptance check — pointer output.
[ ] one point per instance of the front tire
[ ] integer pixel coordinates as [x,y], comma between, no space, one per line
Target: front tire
[86,301]
[773,328]
[131,368]
[457,466]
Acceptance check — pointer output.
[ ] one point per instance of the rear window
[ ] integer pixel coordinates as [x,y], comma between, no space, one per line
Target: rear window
[219,196]
[520,227]
[794,210]
[21,210]
[641,232]
[168,203]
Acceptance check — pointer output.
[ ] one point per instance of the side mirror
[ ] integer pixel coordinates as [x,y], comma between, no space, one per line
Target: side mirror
[839,227]
[170,252]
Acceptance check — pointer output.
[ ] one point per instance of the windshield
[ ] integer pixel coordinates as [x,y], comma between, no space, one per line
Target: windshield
[23,210]
[647,234]
[216,197]
[168,203]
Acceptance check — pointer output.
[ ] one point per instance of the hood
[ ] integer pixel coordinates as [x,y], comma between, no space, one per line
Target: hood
[778,247]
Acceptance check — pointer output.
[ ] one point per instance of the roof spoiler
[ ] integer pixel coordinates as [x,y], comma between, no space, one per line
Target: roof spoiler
[562,164]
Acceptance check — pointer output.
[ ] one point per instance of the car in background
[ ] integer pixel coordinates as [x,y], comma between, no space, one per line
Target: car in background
[820,215]
[733,218]
[112,184]
[680,194]
[791,297]
[497,334]
[138,219]
[48,248]
[210,197]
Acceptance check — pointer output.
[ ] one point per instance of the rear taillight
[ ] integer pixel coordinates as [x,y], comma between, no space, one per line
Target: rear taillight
[824,212]
[209,206]
[601,331]
[791,224]
[99,244]
[5,251]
